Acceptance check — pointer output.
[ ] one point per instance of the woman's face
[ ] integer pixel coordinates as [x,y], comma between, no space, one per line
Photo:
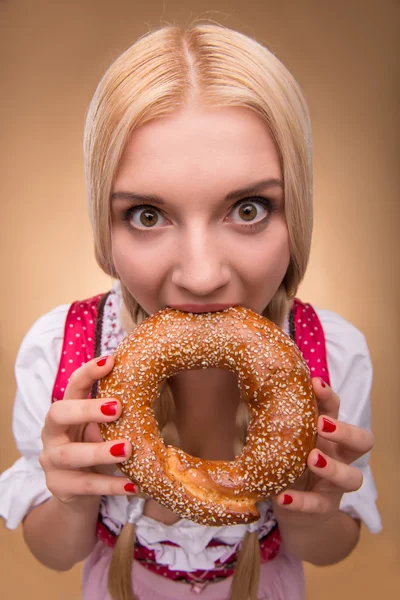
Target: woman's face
[198,212]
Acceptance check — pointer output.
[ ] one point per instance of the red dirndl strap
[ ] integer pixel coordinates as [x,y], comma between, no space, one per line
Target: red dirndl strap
[79,341]
[310,339]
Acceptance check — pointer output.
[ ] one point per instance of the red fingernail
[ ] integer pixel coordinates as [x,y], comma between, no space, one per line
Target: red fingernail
[109,408]
[130,487]
[118,449]
[101,362]
[322,382]
[287,499]
[321,462]
[328,426]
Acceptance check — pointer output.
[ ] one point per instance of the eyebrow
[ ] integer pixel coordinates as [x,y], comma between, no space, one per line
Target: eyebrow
[233,195]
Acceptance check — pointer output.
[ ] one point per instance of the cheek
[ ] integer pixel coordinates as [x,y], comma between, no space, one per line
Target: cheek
[128,255]
[264,267]
[126,259]
[280,259]
[269,259]
[271,273]
[139,269]
[120,256]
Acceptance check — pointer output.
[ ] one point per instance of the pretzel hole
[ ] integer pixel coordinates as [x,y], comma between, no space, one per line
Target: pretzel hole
[167,415]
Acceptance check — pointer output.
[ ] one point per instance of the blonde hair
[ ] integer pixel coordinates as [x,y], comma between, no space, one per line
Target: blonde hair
[164,71]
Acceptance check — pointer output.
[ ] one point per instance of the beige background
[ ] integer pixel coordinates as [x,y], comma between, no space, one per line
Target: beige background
[345,56]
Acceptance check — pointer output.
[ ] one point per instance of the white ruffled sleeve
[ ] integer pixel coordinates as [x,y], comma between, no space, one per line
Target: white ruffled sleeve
[23,485]
[350,371]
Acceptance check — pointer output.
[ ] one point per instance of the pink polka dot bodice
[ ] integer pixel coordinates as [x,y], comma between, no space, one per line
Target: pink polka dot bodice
[79,341]
[310,339]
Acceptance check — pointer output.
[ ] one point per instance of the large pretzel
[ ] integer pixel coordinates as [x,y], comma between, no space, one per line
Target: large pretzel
[274,382]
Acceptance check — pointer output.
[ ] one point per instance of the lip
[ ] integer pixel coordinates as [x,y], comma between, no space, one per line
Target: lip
[201,308]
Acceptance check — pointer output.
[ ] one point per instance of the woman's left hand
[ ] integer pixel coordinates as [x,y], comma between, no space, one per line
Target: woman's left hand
[316,496]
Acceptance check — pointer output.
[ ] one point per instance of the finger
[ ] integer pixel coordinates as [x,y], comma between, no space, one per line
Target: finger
[92,433]
[65,413]
[80,455]
[66,485]
[306,502]
[82,380]
[354,439]
[328,402]
[343,476]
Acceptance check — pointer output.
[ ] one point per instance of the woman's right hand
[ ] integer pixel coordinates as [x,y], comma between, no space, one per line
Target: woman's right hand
[77,463]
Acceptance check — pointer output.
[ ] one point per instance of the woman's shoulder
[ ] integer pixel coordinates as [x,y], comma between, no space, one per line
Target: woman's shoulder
[50,326]
[43,339]
[344,341]
[335,324]
[337,330]
[349,364]
[49,323]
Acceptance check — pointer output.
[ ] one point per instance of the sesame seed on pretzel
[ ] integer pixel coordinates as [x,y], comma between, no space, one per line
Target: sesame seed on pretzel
[274,383]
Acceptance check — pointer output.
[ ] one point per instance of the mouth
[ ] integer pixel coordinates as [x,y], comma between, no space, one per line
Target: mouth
[201,308]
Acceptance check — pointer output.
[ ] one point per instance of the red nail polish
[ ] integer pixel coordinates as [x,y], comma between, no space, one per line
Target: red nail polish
[130,487]
[109,408]
[101,362]
[118,449]
[328,426]
[287,499]
[322,382]
[321,462]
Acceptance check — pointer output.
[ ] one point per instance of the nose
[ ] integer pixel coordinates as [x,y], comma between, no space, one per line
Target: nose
[201,268]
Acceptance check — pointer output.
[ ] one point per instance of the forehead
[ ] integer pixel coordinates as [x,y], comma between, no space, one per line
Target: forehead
[200,145]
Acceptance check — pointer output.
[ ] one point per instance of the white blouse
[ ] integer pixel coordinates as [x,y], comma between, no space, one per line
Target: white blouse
[23,485]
